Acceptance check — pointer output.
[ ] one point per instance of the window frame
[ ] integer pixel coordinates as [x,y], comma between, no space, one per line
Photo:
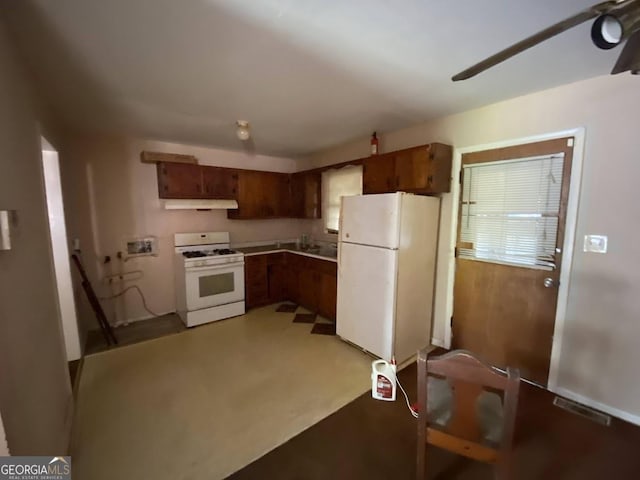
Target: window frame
[327,204]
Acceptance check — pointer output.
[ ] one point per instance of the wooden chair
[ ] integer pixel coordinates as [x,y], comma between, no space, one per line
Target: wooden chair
[466,407]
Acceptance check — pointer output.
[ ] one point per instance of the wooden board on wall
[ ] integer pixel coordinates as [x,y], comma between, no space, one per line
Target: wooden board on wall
[155,157]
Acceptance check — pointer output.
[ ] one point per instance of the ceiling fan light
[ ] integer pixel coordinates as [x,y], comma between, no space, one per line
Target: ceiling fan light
[607,32]
[242,132]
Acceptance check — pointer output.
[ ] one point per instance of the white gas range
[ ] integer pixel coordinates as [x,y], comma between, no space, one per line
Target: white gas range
[209,278]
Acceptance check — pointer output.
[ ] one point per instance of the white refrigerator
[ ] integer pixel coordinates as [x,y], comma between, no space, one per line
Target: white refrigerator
[386,269]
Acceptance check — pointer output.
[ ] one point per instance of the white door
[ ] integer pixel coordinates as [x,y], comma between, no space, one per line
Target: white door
[211,286]
[366,297]
[371,220]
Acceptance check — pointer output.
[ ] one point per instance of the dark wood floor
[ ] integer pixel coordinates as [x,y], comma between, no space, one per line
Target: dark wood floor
[369,439]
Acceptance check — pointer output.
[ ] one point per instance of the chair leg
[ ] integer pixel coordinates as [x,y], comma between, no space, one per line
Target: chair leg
[421,464]
[503,469]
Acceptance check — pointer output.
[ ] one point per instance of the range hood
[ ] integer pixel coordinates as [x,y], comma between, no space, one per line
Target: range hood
[200,204]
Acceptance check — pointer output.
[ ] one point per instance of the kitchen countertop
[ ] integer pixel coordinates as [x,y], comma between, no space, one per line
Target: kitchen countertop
[323,253]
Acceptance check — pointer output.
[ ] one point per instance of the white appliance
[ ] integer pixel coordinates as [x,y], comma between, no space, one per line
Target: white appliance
[386,269]
[209,278]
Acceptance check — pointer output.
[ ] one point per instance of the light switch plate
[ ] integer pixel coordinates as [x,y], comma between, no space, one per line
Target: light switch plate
[595,243]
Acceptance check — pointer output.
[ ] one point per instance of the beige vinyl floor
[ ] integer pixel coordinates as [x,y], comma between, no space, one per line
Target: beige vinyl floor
[203,403]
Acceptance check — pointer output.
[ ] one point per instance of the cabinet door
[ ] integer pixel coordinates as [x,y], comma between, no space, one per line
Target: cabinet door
[308,281]
[261,195]
[248,195]
[440,164]
[312,195]
[379,174]
[328,294]
[305,195]
[276,277]
[282,207]
[179,180]
[297,195]
[425,169]
[220,182]
[256,281]
[291,278]
[412,169]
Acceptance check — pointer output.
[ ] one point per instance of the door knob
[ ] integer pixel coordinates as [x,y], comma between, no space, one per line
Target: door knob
[548,282]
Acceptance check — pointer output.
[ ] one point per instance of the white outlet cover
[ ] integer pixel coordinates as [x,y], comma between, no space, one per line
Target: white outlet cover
[595,243]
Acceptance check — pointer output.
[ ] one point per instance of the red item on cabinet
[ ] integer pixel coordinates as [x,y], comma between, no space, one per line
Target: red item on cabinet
[374,144]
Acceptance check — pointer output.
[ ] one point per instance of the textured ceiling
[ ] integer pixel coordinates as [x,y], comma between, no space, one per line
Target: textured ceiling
[307,74]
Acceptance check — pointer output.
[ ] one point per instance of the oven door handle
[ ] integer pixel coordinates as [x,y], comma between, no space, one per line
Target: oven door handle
[224,266]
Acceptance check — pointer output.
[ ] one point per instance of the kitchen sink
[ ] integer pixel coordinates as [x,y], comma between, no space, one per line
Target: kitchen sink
[323,251]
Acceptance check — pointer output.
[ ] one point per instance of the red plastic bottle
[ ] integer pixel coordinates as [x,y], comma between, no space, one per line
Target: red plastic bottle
[374,144]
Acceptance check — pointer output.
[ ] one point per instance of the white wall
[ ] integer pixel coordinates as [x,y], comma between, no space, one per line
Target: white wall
[35,391]
[599,350]
[110,195]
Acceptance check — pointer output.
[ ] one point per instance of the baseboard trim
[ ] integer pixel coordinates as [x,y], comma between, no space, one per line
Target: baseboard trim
[621,414]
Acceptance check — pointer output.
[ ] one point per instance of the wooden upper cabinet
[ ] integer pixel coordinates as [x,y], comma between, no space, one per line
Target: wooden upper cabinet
[282,183]
[179,180]
[220,182]
[440,165]
[412,169]
[261,195]
[423,170]
[306,195]
[184,180]
[378,174]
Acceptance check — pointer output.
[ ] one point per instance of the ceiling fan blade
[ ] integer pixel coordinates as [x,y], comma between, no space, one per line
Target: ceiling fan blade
[629,58]
[535,39]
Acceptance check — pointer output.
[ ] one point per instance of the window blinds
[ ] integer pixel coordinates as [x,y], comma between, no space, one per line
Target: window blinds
[338,183]
[510,209]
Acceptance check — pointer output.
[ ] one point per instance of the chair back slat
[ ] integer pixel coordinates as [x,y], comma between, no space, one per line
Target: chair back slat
[464,422]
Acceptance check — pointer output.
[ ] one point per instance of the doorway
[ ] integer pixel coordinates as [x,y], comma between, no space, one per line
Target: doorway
[60,251]
[511,228]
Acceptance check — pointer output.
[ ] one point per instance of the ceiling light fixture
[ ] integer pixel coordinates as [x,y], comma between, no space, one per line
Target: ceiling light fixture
[243,131]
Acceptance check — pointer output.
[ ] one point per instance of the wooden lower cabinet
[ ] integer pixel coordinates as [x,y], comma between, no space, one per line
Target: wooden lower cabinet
[275,277]
[308,296]
[328,295]
[255,281]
